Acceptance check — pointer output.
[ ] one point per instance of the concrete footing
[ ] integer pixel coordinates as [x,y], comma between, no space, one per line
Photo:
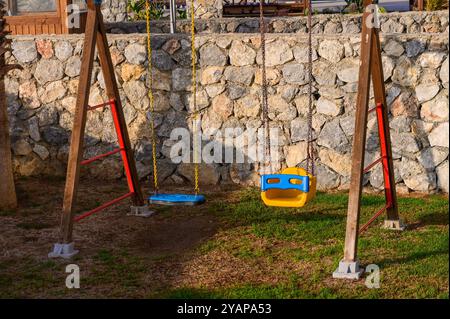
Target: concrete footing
[65,251]
[348,270]
[394,225]
[141,211]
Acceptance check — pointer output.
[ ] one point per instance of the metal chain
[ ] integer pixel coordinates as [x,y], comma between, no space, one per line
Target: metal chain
[264,95]
[194,100]
[311,156]
[151,97]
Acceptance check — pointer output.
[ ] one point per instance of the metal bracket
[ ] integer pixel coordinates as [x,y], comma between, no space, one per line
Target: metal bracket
[65,251]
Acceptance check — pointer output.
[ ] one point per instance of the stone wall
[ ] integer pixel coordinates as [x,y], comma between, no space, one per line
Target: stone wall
[206,9]
[41,100]
[114,10]
[405,22]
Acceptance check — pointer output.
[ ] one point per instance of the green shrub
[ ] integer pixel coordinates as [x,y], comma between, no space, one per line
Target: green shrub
[433,5]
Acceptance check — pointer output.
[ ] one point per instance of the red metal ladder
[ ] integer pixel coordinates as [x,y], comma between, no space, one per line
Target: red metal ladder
[122,150]
[95,37]
[388,175]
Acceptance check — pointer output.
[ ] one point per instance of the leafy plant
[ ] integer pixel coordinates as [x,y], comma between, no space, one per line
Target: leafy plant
[182,14]
[137,10]
[433,5]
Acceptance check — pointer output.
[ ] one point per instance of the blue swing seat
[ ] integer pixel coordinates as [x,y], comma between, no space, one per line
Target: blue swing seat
[177,199]
[285,182]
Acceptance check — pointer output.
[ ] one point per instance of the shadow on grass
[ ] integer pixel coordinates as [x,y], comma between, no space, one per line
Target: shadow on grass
[435,218]
[413,257]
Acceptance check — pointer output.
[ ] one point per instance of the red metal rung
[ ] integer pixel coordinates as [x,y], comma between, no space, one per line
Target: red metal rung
[110,102]
[96,158]
[104,206]
[366,225]
[368,168]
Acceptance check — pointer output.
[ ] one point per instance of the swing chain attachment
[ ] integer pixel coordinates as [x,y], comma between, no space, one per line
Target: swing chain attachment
[264,95]
[311,155]
[151,97]
[195,114]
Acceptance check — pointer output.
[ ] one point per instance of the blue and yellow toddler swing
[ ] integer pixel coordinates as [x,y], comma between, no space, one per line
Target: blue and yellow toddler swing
[294,186]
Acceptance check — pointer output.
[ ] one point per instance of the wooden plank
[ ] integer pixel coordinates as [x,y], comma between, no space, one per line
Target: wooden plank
[52,29]
[380,97]
[77,138]
[8,199]
[38,28]
[32,29]
[359,143]
[63,15]
[112,92]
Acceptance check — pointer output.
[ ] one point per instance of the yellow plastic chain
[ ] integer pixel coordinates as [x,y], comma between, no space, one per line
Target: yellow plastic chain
[152,100]
[194,98]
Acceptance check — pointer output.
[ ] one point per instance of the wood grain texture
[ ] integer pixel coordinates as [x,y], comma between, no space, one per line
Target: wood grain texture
[43,23]
[77,137]
[8,198]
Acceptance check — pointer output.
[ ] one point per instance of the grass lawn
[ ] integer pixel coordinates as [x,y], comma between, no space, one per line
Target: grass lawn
[231,247]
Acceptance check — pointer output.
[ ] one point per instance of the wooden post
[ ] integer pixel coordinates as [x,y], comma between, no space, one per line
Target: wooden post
[420,5]
[359,142]
[371,68]
[8,198]
[95,34]
[79,124]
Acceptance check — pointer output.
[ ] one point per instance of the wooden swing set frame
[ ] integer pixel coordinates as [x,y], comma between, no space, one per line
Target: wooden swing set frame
[371,70]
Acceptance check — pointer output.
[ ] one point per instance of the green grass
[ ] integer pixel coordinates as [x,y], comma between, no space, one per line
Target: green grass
[418,257]
[280,253]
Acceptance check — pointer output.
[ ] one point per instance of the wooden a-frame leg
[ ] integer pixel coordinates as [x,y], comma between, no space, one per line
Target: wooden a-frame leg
[349,265]
[77,138]
[112,92]
[393,218]
[8,198]
[371,68]
[95,35]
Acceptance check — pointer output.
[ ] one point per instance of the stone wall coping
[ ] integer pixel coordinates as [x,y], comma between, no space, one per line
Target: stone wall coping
[223,25]
[202,36]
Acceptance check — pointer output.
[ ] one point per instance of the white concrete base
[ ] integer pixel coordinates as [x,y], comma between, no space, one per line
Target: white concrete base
[394,225]
[348,270]
[141,211]
[65,251]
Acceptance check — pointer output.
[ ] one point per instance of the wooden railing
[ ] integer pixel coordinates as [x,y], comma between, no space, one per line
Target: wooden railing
[271,8]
